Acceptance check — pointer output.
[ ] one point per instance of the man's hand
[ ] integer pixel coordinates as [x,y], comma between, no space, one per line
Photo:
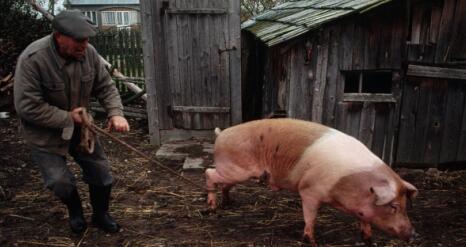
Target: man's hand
[118,123]
[76,115]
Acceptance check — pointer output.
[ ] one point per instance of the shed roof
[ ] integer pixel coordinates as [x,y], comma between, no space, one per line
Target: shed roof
[293,18]
[103,2]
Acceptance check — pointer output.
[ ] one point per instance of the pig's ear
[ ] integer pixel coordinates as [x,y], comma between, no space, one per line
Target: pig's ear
[411,191]
[383,194]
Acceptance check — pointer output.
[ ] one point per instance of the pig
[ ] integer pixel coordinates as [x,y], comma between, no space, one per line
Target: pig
[320,163]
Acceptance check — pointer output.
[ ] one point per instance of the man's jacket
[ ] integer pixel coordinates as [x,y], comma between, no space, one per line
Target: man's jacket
[47,87]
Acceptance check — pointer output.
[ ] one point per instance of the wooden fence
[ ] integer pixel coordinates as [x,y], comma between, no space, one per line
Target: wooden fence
[123,49]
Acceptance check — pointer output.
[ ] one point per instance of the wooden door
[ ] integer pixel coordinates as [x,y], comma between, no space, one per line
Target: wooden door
[192,65]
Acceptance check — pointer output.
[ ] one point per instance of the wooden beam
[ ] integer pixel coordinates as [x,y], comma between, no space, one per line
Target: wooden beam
[182,134]
[234,23]
[149,40]
[436,72]
[201,109]
[369,97]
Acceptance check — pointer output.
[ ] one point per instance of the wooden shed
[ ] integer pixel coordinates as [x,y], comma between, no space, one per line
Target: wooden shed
[392,73]
[192,59]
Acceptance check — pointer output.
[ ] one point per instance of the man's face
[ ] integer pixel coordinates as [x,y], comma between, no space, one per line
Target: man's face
[70,47]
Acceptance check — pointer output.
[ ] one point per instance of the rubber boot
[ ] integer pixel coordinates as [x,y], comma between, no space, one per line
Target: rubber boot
[75,212]
[100,196]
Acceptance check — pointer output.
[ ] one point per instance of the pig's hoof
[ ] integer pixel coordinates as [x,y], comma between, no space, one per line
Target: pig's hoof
[311,241]
[207,211]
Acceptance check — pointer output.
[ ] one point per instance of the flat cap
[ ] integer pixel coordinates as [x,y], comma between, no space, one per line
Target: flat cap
[74,24]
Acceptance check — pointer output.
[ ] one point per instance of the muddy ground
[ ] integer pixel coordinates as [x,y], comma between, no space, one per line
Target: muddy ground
[157,209]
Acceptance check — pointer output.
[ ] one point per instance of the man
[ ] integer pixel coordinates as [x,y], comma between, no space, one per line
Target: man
[55,77]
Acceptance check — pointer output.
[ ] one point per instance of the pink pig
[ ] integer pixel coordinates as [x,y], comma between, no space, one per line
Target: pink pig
[322,164]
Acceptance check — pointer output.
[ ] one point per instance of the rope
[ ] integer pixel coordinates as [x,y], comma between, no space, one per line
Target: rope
[93,128]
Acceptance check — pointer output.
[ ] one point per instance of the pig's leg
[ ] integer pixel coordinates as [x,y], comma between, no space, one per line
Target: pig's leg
[212,179]
[366,232]
[310,208]
[227,178]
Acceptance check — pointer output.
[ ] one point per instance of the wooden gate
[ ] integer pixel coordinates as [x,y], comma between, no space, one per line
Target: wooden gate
[196,84]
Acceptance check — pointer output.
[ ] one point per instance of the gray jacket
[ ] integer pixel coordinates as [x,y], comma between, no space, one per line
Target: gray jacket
[47,87]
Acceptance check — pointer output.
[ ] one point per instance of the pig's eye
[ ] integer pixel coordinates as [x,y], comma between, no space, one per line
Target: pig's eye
[394,207]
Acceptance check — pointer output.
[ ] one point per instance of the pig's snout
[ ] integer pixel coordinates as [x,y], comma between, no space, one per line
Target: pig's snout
[408,234]
[413,235]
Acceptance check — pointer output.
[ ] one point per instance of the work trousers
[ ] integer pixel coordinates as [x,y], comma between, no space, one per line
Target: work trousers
[57,175]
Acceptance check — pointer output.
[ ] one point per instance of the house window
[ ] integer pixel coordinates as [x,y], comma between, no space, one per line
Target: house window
[119,18]
[92,15]
[368,86]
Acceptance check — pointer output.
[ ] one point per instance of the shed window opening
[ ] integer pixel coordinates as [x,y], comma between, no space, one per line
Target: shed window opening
[368,82]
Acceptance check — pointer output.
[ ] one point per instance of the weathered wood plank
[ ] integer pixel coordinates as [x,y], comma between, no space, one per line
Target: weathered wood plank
[389,145]
[173,47]
[197,88]
[394,117]
[416,22]
[407,121]
[235,61]
[342,123]
[321,77]
[385,37]
[372,44]
[422,120]
[435,17]
[150,42]
[461,156]
[436,122]
[452,122]
[332,77]
[445,29]
[224,53]
[398,40]
[380,125]
[366,127]
[420,53]
[185,60]
[368,97]
[346,48]
[162,68]
[344,63]
[180,134]
[436,72]
[354,113]
[299,104]
[201,109]
[458,50]
[359,45]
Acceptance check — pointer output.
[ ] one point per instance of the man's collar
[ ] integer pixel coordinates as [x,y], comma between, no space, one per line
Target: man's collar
[58,59]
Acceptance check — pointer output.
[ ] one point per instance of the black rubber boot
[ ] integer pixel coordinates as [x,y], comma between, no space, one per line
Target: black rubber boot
[75,211]
[100,196]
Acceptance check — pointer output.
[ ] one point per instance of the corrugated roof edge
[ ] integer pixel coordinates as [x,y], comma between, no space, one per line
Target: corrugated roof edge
[280,39]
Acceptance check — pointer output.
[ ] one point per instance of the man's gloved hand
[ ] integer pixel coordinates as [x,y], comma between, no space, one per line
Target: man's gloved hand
[118,123]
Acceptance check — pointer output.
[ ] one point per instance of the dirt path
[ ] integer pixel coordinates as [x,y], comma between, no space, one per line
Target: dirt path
[156,209]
